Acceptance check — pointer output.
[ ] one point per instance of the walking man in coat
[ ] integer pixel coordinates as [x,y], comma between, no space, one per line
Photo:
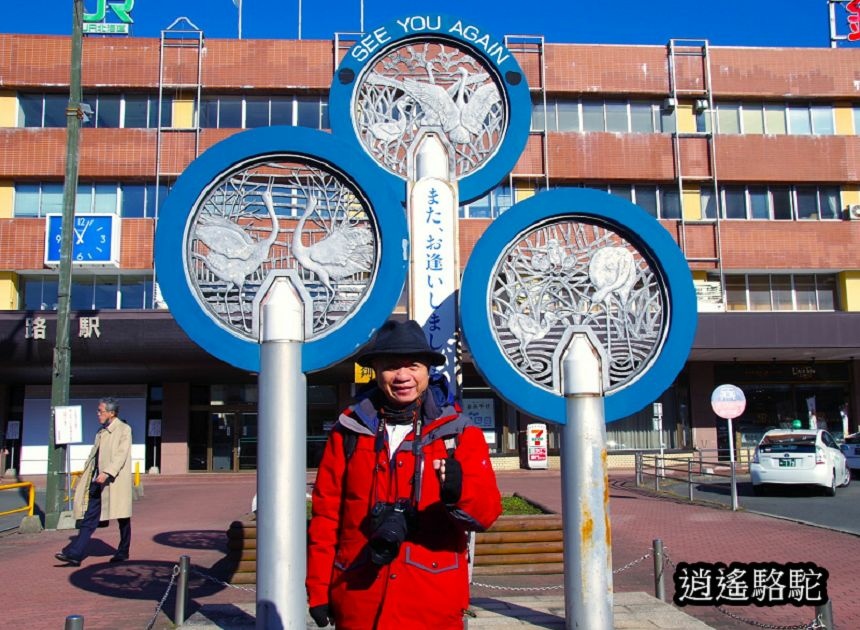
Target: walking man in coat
[104,490]
[403,480]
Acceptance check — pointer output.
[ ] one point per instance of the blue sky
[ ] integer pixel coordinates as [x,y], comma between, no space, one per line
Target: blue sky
[722,22]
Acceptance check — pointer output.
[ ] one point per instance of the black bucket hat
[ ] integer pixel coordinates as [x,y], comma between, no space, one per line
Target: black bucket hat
[400,339]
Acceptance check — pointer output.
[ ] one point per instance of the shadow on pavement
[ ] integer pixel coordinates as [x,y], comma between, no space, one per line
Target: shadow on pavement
[156,580]
[536,618]
[209,539]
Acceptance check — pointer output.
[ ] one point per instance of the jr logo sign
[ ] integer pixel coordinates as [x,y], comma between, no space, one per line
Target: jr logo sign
[95,22]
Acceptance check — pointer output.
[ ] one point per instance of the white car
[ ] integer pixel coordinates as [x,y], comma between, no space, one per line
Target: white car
[799,457]
[851,450]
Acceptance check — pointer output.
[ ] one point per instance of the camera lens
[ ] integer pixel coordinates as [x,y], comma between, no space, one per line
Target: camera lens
[387,537]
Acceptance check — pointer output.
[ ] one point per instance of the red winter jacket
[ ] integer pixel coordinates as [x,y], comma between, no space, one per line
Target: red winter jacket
[427,585]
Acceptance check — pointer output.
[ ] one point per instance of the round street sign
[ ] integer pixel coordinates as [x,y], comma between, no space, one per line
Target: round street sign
[728,401]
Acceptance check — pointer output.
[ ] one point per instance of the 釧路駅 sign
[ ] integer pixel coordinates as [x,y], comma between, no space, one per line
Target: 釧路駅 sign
[96,23]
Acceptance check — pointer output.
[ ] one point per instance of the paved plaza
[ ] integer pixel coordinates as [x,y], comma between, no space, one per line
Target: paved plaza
[189,515]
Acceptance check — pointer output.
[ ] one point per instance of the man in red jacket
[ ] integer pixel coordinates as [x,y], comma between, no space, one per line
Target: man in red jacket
[404,477]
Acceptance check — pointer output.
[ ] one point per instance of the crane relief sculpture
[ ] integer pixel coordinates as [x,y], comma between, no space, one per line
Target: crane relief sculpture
[435,86]
[573,274]
[240,232]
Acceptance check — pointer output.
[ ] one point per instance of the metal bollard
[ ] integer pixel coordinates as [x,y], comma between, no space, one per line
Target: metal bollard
[734,488]
[637,459]
[182,589]
[659,587]
[690,480]
[656,473]
[824,615]
[74,622]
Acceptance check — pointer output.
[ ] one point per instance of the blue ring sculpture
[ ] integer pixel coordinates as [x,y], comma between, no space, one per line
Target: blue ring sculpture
[628,220]
[510,77]
[295,142]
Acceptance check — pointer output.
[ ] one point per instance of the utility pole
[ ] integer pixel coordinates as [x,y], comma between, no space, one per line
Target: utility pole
[60,375]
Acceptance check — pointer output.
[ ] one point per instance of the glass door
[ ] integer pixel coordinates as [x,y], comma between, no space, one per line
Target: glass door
[223,435]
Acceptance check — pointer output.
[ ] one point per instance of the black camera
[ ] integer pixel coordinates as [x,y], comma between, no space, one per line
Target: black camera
[390,523]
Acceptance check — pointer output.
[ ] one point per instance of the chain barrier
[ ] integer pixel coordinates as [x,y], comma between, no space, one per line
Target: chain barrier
[205,576]
[160,605]
[815,624]
[556,586]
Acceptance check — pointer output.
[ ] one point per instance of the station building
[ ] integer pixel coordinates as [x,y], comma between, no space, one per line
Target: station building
[748,157]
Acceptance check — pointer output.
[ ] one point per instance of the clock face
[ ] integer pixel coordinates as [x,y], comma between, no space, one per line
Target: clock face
[93,239]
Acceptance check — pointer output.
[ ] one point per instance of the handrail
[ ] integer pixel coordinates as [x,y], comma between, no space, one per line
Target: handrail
[31,502]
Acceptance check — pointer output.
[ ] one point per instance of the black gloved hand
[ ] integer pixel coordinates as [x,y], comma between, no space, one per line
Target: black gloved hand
[320,615]
[452,487]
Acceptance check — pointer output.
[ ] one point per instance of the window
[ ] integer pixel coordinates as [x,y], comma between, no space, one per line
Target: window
[616,117]
[489,206]
[592,116]
[753,119]
[129,200]
[734,203]
[568,116]
[105,109]
[89,292]
[759,292]
[728,118]
[799,120]
[539,116]
[759,202]
[774,119]
[807,202]
[108,110]
[803,203]
[646,198]
[781,203]
[236,112]
[42,110]
[641,117]
[775,292]
[670,203]
[708,204]
[612,115]
[822,120]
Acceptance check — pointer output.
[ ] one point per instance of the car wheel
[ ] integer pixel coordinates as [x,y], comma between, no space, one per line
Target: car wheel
[830,490]
[847,476]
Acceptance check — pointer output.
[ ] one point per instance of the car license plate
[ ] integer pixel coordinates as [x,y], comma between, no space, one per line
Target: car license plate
[787,463]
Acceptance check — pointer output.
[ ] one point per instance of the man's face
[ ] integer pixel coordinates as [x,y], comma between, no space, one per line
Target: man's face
[401,379]
[105,416]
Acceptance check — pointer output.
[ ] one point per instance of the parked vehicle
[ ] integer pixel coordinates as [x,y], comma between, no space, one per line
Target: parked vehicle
[799,457]
[851,450]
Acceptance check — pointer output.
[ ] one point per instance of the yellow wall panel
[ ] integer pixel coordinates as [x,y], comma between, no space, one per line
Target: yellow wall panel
[844,115]
[183,113]
[7,199]
[522,192]
[8,291]
[685,117]
[849,290]
[691,203]
[850,195]
[8,109]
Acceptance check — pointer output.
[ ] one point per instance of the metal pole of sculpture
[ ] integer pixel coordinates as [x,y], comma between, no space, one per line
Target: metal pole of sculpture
[281,462]
[585,492]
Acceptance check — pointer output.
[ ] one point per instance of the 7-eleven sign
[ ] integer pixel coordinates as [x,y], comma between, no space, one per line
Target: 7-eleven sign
[536,449]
